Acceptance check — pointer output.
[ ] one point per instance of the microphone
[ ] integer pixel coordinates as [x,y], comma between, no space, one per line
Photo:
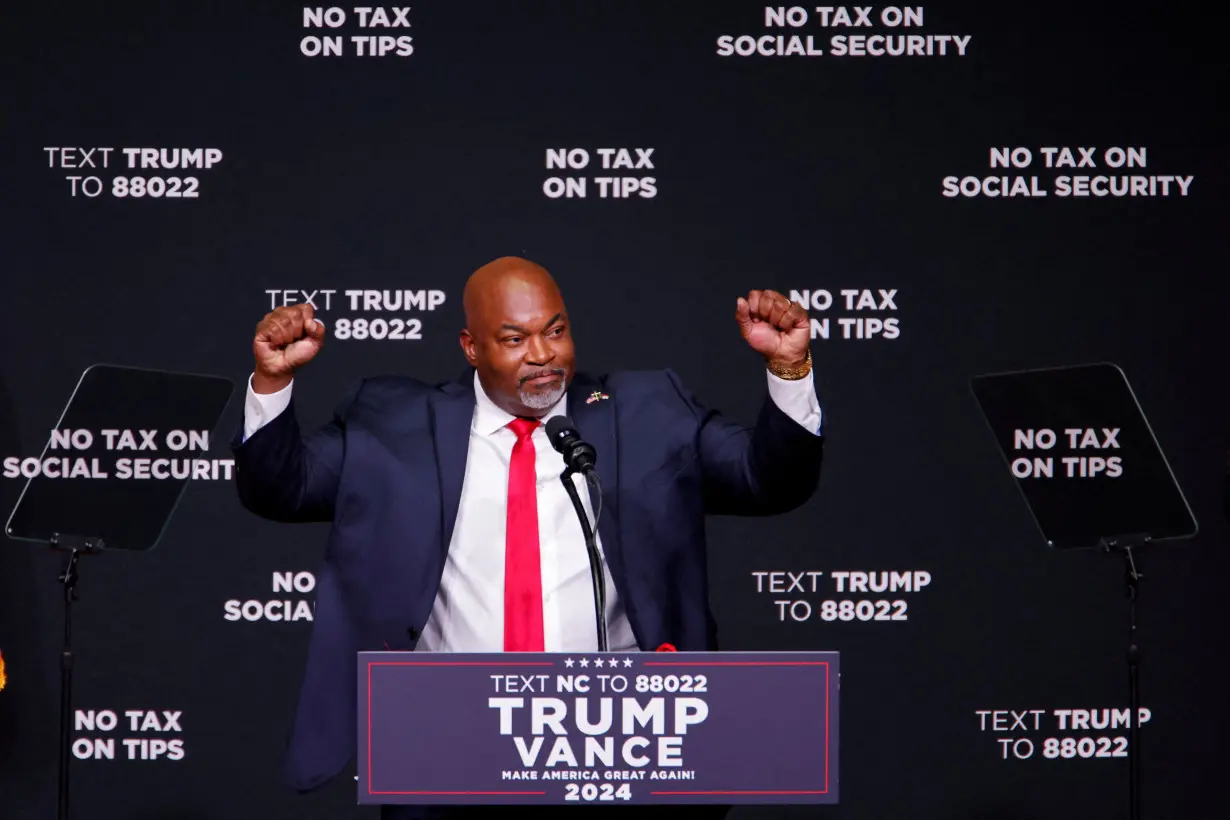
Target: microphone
[578,455]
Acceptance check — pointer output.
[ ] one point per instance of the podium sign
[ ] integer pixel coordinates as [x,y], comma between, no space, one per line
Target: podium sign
[639,728]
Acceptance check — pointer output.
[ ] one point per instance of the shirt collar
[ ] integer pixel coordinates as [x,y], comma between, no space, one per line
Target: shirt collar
[490,419]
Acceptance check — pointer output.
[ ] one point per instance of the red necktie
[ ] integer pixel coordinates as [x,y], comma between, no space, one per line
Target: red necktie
[522,568]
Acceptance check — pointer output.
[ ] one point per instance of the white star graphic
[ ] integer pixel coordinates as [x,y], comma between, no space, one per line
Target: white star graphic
[583,662]
[598,662]
[627,661]
[568,662]
[613,662]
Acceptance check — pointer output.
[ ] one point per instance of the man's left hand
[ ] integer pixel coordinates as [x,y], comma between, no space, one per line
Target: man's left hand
[774,327]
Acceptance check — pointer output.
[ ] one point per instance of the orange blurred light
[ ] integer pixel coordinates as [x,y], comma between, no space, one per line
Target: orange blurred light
[3,679]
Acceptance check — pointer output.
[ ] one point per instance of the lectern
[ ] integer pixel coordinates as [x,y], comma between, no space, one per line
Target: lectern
[630,728]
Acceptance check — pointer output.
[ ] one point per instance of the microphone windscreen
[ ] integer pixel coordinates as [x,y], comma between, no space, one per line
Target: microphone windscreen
[559,428]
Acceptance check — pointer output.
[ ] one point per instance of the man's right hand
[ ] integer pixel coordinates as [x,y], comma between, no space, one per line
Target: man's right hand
[286,339]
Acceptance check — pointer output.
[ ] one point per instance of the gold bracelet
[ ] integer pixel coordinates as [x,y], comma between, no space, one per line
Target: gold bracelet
[791,373]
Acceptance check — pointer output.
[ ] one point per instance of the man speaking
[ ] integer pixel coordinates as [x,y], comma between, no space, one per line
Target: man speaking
[451,531]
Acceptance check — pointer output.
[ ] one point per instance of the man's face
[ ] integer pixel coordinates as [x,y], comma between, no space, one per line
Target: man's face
[521,344]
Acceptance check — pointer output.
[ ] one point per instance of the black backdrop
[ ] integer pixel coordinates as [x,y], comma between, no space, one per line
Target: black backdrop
[792,172]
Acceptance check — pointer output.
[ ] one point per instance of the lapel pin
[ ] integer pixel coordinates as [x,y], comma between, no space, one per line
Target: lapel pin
[597,395]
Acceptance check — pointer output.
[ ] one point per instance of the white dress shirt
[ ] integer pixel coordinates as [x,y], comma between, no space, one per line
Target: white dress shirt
[468,614]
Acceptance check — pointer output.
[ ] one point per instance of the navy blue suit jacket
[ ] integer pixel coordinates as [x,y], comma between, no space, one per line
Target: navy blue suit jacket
[387,472]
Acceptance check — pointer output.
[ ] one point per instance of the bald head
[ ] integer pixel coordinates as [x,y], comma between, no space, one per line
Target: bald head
[517,335]
[500,279]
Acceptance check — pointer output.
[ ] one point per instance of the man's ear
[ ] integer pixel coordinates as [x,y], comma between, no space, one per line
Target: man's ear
[467,347]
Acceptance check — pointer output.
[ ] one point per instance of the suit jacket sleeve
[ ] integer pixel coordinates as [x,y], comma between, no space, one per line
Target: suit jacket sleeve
[283,475]
[771,468]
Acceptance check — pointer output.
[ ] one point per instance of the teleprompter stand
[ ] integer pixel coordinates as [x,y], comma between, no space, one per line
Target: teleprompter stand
[1093,477]
[83,501]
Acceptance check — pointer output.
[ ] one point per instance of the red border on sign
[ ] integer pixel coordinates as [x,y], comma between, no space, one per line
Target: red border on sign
[783,792]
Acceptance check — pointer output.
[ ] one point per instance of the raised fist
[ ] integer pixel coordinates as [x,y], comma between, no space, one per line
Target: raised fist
[774,327]
[286,339]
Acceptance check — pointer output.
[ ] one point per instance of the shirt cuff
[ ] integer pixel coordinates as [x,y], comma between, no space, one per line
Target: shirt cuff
[797,399]
[261,408]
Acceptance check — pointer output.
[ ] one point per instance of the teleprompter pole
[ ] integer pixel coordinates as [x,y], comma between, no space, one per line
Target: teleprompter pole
[74,548]
[1131,578]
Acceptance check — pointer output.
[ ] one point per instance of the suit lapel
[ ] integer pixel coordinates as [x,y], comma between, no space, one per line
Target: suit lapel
[452,413]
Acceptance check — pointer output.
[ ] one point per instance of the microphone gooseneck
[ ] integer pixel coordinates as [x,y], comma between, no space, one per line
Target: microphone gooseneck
[580,457]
